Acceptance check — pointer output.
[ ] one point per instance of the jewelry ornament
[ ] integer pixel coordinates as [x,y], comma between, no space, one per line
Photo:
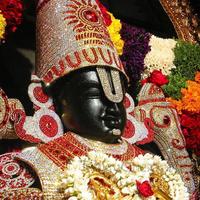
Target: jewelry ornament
[167,131]
[45,125]
[13,175]
[136,131]
[7,107]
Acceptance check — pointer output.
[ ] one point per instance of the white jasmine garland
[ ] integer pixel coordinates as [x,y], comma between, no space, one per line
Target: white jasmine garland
[160,57]
[74,181]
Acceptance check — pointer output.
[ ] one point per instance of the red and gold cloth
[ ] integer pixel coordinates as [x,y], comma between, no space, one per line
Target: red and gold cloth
[49,160]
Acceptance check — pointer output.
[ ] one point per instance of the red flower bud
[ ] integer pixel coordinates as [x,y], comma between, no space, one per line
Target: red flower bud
[144,188]
[158,78]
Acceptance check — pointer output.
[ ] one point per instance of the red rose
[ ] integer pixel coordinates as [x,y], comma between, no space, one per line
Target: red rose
[144,188]
[12,11]
[158,78]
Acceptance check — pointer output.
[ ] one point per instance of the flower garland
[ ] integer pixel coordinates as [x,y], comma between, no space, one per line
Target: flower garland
[11,10]
[190,100]
[190,124]
[161,56]
[133,182]
[2,26]
[156,77]
[114,31]
[136,47]
[187,63]
[188,107]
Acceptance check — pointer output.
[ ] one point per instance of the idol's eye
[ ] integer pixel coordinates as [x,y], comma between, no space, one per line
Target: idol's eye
[91,92]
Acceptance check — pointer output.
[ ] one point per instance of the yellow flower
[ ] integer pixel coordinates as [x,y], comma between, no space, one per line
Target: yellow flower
[114,31]
[2,25]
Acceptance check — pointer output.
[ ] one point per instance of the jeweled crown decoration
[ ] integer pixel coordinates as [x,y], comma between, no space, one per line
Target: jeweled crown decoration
[71,34]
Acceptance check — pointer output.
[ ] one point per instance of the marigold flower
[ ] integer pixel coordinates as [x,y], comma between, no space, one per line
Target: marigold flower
[114,31]
[190,98]
[197,77]
[2,25]
[177,104]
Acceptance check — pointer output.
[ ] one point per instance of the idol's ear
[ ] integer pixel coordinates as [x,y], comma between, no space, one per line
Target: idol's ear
[45,125]
[135,131]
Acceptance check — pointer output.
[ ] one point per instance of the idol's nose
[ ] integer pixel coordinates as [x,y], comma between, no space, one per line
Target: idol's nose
[113,109]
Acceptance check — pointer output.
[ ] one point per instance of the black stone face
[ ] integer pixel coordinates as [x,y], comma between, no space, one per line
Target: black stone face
[84,108]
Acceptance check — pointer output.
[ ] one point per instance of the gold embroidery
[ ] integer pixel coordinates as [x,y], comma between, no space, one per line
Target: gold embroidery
[168,135]
[184,20]
[47,171]
[29,193]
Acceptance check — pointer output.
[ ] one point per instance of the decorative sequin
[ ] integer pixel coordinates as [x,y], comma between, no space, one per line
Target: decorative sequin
[71,35]
[22,194]
[135,131]
[7,108]
[46,170]
[117,95]
[167,131]
[13,175]
[183,19]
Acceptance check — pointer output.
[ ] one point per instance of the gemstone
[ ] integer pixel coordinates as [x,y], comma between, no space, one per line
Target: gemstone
[91,16]
[48,125]
[166,120]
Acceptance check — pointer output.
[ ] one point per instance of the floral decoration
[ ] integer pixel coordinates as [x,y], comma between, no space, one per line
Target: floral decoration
[156,77]
[12,12]
[187,63]
[190,100]
[171,64]
[191,129]
[135,181]
[136,47]
[114,31]
[188,107]
[144,188]
[161,56]
[2,25]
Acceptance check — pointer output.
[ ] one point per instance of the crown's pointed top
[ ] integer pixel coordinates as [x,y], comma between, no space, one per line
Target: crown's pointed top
[71,34]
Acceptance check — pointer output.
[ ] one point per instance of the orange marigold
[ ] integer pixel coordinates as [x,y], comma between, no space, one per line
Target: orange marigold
[197,77]
[190,98]
[177,104]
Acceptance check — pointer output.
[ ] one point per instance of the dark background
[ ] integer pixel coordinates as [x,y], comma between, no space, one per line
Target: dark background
[17,54]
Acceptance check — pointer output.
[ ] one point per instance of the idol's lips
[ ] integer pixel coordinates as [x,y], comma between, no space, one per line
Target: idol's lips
[116,131]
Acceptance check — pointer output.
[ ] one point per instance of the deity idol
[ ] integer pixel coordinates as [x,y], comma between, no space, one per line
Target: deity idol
[78,91]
